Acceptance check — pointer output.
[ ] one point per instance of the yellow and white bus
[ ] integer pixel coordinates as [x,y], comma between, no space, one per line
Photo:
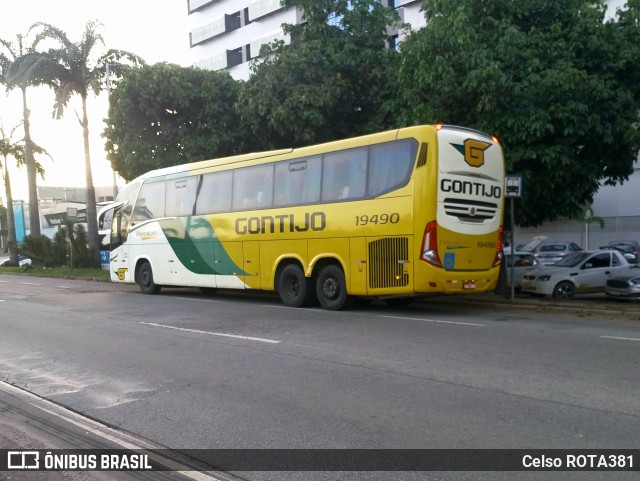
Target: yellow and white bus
[391,216]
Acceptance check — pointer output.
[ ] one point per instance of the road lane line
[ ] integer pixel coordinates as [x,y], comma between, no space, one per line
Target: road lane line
[434,320]
[234,336]
[64,287]
[620,338]
[295,308]
[29,283]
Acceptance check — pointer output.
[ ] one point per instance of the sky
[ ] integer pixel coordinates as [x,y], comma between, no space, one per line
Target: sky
[156,30]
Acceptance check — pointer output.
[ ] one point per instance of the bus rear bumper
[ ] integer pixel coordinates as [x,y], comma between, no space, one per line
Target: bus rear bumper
[457,282]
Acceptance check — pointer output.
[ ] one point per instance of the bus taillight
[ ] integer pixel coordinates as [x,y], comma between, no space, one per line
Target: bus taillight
[498,257]
[429,251]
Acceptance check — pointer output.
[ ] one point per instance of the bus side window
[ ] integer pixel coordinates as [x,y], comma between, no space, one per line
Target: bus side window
[253,187]
[344,174]
[297,181]
[181,195]
[150,203]
[390,165]
[215,193]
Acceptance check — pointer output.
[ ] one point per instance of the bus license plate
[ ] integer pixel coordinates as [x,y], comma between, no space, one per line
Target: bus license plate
[469,285]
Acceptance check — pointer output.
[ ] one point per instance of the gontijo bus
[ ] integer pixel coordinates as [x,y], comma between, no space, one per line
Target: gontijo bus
[391,216]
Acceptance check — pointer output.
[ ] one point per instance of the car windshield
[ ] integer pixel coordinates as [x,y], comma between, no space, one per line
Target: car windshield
[572,260]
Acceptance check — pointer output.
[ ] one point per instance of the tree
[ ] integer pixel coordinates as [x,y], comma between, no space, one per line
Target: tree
[17,151]
[14,73]
[163,115]
[8,148]
[332,81]
[76,68]
[551,79]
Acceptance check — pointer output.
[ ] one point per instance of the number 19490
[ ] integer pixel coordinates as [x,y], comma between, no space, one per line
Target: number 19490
[486,245]
[392,218]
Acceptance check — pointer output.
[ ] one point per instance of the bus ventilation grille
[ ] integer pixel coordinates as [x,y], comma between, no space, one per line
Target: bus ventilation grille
[386,262]
[468,210]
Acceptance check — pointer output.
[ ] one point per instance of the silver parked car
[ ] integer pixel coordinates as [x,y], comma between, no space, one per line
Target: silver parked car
[625,285]
[524,262]
[552,252]
[579,273]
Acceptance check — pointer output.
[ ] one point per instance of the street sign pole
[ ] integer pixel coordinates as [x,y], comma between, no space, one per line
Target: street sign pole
[513,190]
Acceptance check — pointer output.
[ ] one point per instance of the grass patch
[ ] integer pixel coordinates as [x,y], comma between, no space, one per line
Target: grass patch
[60,272]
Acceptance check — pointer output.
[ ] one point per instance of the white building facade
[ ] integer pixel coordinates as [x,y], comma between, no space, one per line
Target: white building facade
[228,34]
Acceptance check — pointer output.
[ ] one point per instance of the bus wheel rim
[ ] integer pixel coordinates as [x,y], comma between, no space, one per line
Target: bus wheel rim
[293,286]
[330,288]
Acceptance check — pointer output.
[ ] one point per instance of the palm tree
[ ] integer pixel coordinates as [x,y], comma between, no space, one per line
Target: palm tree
[75,68]
[13,73]
[15,150]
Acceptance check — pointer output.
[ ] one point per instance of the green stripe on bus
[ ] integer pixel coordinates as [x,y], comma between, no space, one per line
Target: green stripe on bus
[197,246]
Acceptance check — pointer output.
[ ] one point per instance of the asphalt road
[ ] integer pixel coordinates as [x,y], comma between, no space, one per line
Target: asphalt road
[242,371]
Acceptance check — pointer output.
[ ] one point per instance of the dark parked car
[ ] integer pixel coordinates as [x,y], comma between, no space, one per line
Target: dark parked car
[630,249]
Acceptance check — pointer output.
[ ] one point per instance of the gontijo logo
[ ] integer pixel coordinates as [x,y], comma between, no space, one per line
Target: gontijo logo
[473,151]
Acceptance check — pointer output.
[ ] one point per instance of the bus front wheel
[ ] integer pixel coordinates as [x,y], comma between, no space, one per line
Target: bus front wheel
[145,280]
[331,288]
[294,288]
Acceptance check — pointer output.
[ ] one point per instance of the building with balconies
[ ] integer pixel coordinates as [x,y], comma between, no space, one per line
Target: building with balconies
[228,34]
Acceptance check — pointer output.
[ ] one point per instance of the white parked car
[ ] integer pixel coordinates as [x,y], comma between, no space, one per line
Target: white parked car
[579,273]
[22,261]
[551,252]
[525,262]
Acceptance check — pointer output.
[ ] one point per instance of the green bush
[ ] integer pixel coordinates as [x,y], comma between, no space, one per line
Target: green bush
[57,251]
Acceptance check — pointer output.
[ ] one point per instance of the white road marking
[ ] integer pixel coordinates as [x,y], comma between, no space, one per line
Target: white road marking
[2,300]
[220,334]
[64,287]
[29,283]
[620,338]
[434,320]
[295,308]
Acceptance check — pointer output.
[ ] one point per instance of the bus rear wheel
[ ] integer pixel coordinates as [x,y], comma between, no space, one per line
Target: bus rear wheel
[294,288]
[145,279]
[331,288]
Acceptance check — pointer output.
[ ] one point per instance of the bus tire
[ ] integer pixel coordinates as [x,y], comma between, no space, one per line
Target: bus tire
[331,288]
[294,288]
[145,279]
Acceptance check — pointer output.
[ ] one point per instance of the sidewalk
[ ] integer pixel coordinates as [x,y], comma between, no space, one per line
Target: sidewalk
[31,423]
[588,305]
